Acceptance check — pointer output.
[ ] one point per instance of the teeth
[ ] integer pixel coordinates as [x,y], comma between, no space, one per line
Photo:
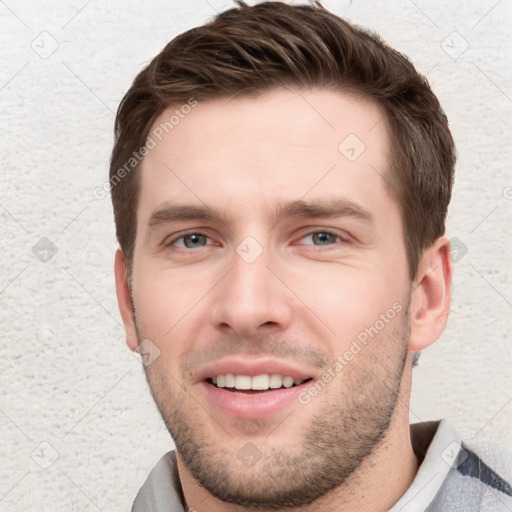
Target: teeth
[258,382]
[276,381]
[243,382]
[288,382]
[230,380]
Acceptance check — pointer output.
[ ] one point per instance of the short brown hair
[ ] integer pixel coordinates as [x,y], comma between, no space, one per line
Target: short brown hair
[252,49]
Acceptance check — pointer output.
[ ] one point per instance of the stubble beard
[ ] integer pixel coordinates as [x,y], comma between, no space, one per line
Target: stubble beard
[345,431]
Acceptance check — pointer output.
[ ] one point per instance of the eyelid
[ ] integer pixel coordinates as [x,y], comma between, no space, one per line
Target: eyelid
[171,239]
[342,235]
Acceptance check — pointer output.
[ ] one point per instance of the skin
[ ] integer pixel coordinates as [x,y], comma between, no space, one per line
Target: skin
[304,299]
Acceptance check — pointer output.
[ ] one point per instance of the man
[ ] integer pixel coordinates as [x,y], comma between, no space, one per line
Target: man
[280,181]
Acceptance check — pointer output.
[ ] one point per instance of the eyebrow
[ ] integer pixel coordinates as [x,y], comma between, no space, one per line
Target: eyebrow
[326,208]
[171,213]
[333,208]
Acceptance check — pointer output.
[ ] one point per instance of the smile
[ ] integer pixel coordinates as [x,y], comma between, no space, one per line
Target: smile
[252,388]
[261,382]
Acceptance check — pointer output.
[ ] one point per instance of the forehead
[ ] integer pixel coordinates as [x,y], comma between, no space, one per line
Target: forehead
[281,145]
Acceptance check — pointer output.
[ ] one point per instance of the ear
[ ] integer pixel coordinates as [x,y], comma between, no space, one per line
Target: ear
[430,301]
[124,300]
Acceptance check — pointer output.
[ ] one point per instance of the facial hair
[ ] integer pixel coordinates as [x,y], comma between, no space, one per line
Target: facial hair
[356,413]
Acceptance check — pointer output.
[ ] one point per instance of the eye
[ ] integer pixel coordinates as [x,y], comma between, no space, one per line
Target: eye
[321,238]
[190,241]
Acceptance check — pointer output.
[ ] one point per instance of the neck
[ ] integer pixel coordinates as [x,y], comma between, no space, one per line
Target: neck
[378,483]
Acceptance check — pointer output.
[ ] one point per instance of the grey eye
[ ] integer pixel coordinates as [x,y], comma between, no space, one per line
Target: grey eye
[193,240]
[322,238]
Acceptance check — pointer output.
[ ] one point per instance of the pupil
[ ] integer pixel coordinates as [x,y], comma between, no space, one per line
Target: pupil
[323,238]
[194,240]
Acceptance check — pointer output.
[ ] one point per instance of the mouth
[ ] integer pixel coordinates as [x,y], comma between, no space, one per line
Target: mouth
[253,397]
[257,384]
[253,387]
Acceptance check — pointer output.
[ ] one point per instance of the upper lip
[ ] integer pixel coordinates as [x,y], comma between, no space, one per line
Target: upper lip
[242,365]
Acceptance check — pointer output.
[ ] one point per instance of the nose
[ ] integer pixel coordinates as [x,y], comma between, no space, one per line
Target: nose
[252,299]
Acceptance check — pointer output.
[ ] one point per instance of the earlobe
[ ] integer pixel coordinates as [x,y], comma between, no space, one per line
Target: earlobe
[430,301]
[124,300]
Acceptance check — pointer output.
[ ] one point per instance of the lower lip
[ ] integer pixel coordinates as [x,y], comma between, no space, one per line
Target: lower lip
[251,406]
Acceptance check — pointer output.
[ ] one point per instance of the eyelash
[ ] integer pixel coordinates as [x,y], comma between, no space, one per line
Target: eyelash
[341,240]
[170,243]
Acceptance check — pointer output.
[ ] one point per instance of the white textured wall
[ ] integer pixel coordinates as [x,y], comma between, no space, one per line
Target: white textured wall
[66,378]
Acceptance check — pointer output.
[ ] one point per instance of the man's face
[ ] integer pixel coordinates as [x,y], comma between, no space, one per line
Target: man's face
[267,246]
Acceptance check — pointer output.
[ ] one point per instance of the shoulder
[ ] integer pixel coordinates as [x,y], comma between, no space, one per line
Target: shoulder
[455,475]
[489,463]
[162,489]
[480,479]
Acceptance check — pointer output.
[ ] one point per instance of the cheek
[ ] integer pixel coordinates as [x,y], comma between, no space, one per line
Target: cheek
[348,299]
[167,301]
[154,302]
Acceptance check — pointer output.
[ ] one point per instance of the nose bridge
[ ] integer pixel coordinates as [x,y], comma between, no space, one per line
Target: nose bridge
[250,295]
[250,276]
